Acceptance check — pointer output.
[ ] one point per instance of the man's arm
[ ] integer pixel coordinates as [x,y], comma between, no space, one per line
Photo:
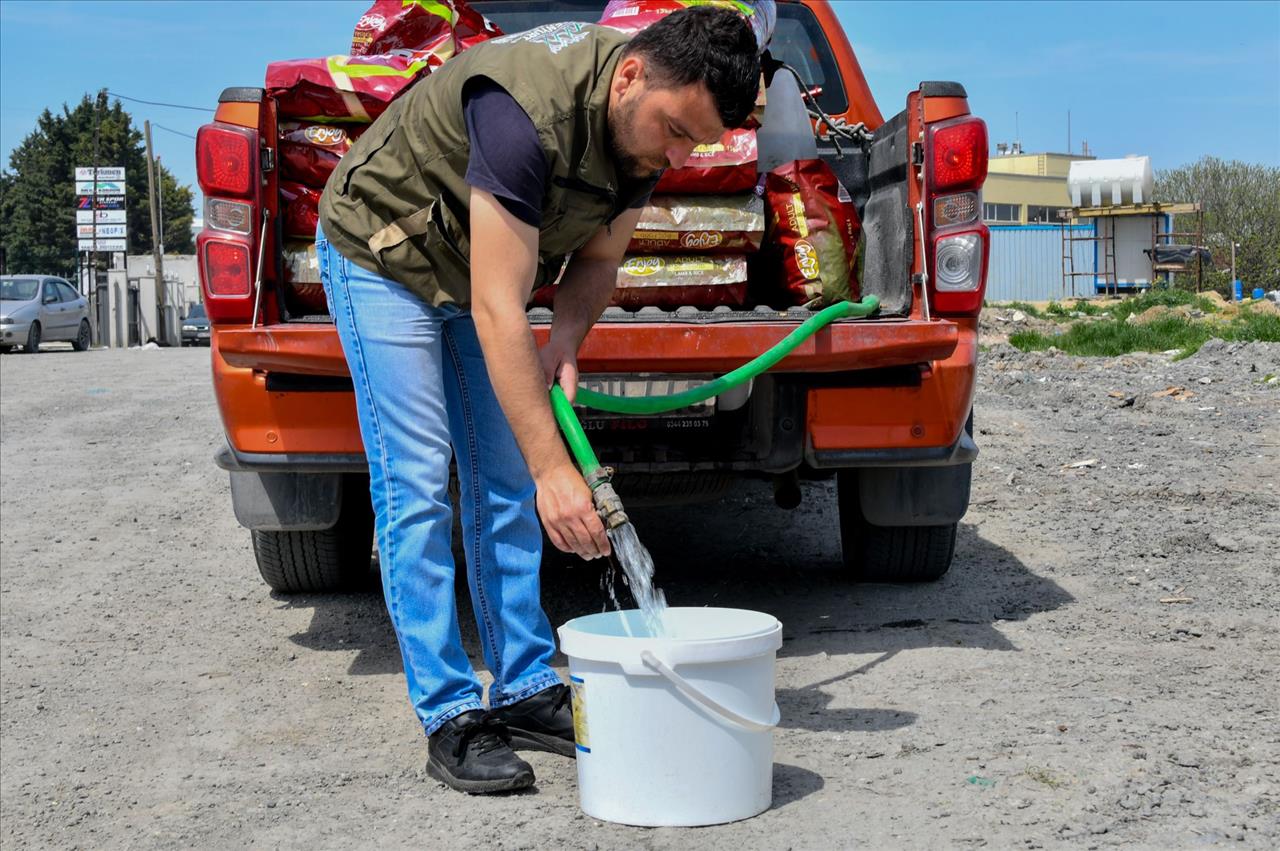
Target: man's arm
[504,256]
[583,294]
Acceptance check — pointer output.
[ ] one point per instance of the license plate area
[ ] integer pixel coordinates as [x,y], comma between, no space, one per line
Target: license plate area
[645,384]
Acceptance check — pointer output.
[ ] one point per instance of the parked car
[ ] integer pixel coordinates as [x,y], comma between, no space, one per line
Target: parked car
[37,309]
[195,328]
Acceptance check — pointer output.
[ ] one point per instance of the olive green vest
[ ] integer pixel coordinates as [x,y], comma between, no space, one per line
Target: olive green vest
[398,204]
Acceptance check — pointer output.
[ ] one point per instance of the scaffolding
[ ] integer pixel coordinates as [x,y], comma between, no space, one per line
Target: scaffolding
[1104,237]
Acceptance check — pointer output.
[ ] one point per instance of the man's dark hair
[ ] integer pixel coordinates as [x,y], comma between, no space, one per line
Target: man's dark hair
[704,44]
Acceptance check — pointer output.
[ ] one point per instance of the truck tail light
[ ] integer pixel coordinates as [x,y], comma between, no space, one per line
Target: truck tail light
[226,160]
[233,216]
[227,269]
[958,242]
[959,153]
[948,210]
[229,170]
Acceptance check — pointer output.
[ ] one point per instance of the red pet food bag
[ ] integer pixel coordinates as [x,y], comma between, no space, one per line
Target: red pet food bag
[724,167]
[447,27]
[710,224]
[344,88]
[814,229]
[302,274]
[300,206]
[309,152]
[631,16]
[671,282]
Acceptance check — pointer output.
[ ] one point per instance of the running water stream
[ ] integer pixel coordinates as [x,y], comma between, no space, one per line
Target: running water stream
[637,566]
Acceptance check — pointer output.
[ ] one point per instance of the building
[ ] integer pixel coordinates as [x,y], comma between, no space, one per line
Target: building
[1023,189]
[180,273]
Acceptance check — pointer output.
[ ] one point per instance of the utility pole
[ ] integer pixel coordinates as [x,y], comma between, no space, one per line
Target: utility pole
[156,249]
[99,332]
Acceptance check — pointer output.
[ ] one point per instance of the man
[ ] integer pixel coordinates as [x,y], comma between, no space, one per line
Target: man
[467,193]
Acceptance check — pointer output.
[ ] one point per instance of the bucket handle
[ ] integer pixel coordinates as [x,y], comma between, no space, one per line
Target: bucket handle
[690,691]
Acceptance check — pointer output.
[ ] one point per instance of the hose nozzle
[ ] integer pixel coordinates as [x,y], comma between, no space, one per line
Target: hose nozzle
[606,500]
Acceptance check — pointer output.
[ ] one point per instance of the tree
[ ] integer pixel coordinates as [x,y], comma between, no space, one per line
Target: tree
[1241,204]
[37,194]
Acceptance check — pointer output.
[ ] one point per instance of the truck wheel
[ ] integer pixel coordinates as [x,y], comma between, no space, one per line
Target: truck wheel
[890,553]
[334,559]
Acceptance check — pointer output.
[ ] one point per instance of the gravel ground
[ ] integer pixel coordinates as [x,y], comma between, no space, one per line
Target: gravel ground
[1098,668]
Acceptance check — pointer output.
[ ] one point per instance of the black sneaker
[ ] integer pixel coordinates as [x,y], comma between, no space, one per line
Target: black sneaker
[542,722]
[472,753]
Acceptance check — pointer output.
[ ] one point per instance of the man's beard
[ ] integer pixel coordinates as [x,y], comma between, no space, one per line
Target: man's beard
[621,124]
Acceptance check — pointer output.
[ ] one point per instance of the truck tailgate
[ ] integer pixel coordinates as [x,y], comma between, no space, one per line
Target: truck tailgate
[668,347]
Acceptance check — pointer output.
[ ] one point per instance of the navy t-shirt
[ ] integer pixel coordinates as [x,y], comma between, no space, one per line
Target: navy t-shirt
[506,156]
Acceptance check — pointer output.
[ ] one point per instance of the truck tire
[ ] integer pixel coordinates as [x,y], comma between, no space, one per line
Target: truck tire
[890,553]
[334,559]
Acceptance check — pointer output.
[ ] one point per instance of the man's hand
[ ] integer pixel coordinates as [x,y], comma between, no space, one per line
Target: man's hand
[569,515]
[560,363]
[504,255]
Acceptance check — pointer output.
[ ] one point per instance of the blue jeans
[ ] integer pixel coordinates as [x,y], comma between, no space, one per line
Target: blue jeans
[423,393]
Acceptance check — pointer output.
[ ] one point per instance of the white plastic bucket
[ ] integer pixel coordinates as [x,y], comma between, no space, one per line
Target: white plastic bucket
[674,731]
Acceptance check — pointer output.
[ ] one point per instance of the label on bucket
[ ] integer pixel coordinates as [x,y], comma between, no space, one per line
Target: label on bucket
[580,737]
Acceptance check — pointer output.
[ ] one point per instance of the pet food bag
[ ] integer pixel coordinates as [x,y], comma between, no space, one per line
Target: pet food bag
[674,281]
[724,167]
[344,88]
[302,277]
[631,16]
[447,27]
[813,231]
[300,207]
[711,224]
[309,152]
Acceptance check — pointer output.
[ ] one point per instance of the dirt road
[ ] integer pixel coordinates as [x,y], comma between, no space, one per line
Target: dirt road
[1098,668]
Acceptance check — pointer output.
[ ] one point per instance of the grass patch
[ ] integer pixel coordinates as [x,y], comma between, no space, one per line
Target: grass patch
[1063,310]
[1115,337]
[1161,298]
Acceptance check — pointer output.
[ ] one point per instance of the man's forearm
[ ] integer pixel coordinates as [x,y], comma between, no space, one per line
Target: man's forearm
[581,297]
[519,384]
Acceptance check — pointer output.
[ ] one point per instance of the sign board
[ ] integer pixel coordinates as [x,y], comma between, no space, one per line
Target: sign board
[104,231]
[108,172]
[108,202]
[105,187]
[102,217]
[103,245]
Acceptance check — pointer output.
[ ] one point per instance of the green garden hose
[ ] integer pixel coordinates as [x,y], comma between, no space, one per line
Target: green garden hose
[741,375]
[577,439]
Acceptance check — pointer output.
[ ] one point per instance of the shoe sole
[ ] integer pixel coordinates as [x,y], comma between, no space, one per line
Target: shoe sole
[480,787]
[528,740]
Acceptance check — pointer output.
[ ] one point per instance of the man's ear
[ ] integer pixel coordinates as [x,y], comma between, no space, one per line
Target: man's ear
[630,72]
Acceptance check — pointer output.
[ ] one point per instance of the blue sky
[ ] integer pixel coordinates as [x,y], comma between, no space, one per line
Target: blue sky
[1171,80]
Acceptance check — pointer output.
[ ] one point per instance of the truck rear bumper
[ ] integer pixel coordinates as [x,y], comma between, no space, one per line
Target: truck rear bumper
[890,393]
[637,347]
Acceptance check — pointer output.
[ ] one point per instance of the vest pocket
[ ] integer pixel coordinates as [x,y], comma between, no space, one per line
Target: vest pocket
[424,244]
[375,144]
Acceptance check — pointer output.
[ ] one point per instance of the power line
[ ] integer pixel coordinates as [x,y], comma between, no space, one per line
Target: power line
[158,103]
[171,130]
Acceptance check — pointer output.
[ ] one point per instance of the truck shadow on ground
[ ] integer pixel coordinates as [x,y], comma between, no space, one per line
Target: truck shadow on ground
[742,552]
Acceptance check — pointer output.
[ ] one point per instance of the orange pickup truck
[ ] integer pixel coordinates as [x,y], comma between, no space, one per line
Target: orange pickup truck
[883,404]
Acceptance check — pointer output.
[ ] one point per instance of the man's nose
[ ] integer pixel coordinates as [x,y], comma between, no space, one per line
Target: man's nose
[678,155]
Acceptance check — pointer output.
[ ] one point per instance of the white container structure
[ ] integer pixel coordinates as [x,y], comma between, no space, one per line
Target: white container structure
[677,730]
[1108,183]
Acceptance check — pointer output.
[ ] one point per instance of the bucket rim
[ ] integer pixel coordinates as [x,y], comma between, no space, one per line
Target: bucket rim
[577,643]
